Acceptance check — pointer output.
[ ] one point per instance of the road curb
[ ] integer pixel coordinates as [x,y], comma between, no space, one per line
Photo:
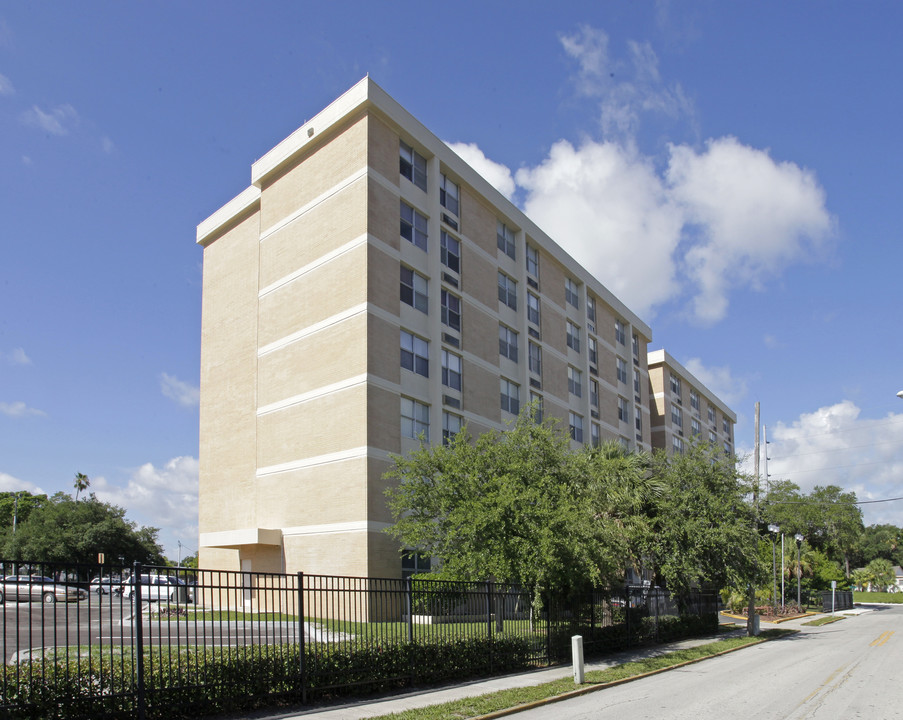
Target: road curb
[602,686]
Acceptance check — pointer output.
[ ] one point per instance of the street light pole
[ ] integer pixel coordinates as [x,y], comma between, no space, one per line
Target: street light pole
[799,540]
[774,529]
[782,570]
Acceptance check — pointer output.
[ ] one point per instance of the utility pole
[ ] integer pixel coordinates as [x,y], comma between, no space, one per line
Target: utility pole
[752,627]
[15,513]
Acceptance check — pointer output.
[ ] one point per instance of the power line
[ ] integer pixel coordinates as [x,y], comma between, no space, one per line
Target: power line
[829,502]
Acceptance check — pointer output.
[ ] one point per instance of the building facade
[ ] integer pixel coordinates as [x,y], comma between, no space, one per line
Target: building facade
[369,288]
[683,410]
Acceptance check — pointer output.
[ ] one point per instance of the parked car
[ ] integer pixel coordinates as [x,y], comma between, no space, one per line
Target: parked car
[106,585]
[38,588]
[158,587]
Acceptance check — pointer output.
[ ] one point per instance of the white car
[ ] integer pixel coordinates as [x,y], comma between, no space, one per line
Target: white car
[158,587]
[106,585]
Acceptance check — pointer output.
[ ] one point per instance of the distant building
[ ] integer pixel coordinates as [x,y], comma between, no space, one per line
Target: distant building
[683,409]
[369,287]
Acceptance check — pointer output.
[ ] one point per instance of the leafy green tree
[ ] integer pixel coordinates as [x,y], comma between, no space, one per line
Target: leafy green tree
[825,570]
[622,497]
[18,505]
[879,541]
[840,522]
[520,506]
[63,530]
[703,530]
[827,517]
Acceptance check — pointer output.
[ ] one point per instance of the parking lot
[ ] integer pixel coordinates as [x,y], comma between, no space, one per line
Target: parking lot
[109,621]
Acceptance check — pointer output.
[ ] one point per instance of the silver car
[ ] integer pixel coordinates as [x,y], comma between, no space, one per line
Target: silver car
[33,588]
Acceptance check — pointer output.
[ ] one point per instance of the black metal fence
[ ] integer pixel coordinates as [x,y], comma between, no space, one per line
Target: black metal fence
[90,641]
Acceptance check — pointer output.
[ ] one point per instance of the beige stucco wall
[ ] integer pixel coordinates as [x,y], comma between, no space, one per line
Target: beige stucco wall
[337,285]
[314,172]
[228,373]
[322,229]
[321,426]
[325,493]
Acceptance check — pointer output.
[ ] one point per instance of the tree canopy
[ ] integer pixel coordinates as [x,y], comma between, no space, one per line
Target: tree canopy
[703,531]
[521,506]
[59,529]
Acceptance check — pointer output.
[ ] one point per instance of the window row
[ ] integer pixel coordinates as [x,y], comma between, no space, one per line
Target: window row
[415,417]
[415,356]
[415,422]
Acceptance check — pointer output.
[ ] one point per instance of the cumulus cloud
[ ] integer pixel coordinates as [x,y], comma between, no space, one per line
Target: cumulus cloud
[689,226]
[183,393]
[16,356]
[494,173]
[754,216]
[835,445]
[19,409]
[719,380]
[605,205]
[55,122]
[8,483]
[165,498]
[6,86]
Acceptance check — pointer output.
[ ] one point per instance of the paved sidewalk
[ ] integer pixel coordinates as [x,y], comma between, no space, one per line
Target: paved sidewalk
[435,696]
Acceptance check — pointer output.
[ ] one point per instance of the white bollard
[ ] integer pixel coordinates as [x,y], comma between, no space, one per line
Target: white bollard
[577,654]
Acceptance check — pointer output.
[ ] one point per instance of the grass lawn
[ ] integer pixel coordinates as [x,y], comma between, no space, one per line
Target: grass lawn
[877,597]
[505,699]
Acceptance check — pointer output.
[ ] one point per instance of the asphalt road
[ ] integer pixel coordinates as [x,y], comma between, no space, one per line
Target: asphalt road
[848,669]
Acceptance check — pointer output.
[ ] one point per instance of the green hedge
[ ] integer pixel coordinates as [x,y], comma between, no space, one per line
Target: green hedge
[189,684]
[194,683]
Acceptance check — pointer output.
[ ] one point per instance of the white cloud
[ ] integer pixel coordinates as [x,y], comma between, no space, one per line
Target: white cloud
[107,145]
[8,483]
[719,380]
[16,356]
[6,86]
[689,227]
[55,122]
[183,393]
[754,217]
[606,206]
[18,409]
[165,498]
[836,446]
[494,173]
[625,88]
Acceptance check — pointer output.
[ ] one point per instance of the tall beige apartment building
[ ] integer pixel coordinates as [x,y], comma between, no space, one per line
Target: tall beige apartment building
[367,288]
[683,409]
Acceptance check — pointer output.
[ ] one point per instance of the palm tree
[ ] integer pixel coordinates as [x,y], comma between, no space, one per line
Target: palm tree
[81,483]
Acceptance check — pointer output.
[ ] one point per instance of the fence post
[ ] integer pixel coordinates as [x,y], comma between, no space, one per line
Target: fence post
[489,585]
[627,613]
[301,639]
[658,597]
[549,628]
[139,639]
[409,607]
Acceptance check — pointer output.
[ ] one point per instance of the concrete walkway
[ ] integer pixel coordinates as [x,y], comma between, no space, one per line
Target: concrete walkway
[435,696]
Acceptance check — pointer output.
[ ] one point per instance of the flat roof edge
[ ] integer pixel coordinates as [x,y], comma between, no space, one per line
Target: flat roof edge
[237,205]
[355,97]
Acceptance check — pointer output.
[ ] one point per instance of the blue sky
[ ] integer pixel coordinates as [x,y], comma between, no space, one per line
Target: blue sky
[731,170]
